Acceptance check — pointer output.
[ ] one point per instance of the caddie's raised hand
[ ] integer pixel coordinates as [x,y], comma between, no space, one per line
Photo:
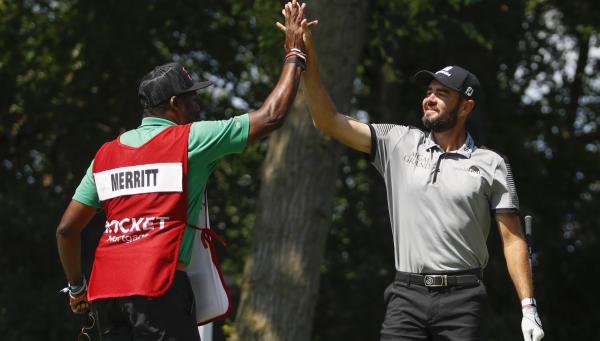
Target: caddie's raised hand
[531,324]
[293,12]
[79,303]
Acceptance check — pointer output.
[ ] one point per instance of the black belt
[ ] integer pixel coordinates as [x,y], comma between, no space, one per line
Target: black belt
[462,278]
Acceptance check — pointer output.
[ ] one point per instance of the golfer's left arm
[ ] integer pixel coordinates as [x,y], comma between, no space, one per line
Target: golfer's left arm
[515,252]
[517,261]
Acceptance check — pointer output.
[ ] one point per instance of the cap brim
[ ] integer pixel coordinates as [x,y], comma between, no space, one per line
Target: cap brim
[199,85]
[424,77]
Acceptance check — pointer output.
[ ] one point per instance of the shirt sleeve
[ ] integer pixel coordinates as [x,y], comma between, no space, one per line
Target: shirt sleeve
[215,139]
[86,192]
[382,143]
[504,192]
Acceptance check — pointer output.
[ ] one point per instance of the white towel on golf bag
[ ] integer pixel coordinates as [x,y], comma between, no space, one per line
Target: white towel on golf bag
[208,285]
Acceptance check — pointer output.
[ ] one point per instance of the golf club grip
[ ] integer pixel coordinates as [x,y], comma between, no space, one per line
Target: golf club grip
[528,220]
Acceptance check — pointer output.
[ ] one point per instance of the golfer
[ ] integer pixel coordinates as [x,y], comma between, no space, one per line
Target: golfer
[150,183]
[443,191]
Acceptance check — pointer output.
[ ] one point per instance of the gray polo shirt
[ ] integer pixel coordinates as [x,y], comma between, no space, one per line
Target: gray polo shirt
[440,203]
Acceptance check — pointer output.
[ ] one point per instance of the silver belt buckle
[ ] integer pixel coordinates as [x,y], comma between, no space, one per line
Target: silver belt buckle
[435,280]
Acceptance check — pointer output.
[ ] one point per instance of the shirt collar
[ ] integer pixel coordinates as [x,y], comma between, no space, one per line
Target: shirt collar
[156,121]
[429,142]
[465,150]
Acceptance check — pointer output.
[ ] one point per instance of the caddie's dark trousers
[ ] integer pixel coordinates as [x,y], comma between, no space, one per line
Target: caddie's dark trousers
[456,312]
[171,317]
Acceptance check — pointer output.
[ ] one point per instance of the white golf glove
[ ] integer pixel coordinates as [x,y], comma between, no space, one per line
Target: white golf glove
[531,324]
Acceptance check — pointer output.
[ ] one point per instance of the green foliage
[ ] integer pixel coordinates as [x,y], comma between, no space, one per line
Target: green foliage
[68,73]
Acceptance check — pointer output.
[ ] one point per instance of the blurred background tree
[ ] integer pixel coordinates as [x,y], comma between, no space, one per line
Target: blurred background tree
[68,81]
[295,204]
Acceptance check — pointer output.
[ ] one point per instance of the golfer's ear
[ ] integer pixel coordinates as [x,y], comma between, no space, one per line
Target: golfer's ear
[468,105]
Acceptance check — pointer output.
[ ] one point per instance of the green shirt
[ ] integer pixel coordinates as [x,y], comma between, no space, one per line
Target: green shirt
[208,142]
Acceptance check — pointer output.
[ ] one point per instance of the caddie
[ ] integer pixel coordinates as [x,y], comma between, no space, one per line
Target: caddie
[443,190]
[150,182]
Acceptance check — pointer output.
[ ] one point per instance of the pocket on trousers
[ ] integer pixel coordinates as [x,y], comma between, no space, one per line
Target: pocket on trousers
[388,293]
[483,291]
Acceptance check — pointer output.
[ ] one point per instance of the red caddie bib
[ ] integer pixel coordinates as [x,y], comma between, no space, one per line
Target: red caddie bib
[143,192]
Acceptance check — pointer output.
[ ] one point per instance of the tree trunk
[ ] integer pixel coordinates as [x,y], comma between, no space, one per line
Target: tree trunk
[576,88]
[281,277]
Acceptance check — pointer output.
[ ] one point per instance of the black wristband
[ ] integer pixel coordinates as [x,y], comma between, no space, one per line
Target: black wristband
[296,60]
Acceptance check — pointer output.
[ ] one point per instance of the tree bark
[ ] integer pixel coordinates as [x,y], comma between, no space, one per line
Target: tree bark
[281,276]
[576,86]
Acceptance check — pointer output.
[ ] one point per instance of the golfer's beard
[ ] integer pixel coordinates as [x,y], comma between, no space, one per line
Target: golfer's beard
[441,124]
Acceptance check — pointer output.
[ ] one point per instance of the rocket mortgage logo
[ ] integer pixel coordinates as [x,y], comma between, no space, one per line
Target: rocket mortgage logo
[128,230]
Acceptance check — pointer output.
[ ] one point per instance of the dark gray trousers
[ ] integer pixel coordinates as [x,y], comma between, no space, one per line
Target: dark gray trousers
[417,312]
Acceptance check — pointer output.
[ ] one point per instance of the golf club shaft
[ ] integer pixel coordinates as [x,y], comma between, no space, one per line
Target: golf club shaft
[528,234]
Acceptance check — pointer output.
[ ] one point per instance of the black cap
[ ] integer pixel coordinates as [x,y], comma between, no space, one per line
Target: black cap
[454,77]
[165,81]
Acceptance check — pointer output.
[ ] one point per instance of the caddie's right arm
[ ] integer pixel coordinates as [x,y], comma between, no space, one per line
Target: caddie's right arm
[272,112]
[345,129]
[68,238]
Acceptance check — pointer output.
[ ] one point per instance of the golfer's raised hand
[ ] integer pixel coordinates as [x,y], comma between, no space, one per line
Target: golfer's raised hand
[293,12]
[531,324]
[79,303]
[307,37]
